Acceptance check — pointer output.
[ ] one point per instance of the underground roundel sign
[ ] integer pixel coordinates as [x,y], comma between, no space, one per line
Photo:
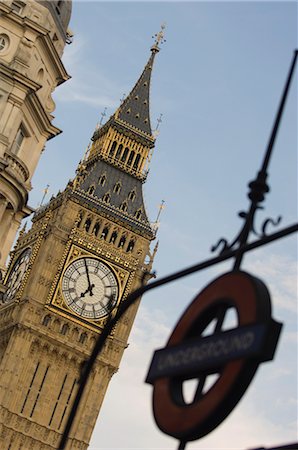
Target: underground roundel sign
[219,342]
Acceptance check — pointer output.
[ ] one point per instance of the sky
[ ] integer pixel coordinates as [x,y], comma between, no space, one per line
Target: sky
[217,81]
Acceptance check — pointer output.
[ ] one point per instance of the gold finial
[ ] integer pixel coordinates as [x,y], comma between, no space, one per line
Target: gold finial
[156,131]
[103,115]
[156,224]
[161,207]
[99,124]
[86,154]
[45,191]
[159,38]
[23,229]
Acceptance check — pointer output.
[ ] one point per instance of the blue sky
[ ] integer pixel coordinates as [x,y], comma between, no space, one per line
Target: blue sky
[217,81]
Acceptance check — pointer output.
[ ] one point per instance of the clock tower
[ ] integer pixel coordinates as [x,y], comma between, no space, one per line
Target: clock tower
[87,249]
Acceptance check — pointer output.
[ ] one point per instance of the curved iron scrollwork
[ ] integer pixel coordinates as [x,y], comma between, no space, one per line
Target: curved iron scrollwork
[236,249]
[223,245]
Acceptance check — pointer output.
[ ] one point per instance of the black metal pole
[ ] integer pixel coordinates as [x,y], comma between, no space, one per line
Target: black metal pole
[134,296]
[259,187]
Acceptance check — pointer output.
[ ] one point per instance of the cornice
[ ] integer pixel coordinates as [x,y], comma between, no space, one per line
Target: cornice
[41,117]
[16,18]
[43,36]
[62,74]
[22,80]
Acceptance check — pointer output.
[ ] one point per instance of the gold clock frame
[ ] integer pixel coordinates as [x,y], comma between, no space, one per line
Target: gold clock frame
[56,300]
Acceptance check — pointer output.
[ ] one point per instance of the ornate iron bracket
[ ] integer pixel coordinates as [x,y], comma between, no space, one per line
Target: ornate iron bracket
[236,249]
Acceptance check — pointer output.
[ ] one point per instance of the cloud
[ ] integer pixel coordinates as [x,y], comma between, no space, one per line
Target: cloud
[260,419]
[279,273]
[76,89]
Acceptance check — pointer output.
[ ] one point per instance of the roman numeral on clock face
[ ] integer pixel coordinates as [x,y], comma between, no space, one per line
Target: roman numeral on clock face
[90,288]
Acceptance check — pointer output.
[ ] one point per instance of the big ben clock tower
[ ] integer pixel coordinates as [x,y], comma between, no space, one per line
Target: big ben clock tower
[85,252]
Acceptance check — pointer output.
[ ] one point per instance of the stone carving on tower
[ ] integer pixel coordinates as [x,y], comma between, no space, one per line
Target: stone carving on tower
[87,249]
[32,38]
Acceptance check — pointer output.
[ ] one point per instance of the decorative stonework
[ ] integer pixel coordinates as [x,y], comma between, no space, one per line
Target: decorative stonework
[44,343]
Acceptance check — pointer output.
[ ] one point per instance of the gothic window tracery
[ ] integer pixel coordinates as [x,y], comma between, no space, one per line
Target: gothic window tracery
[102,180]
[88,224]
[123,206]
[91,190]
[46,320]
[122,242]
[82,338]
[64,329]
[106,198]
[96,228]
[113,237]
[132,195]
[138,214]
[136,162]
[119,150]
[124,155]
[117,188]
[130,246]
[130,158]
[104,233]
[113,148]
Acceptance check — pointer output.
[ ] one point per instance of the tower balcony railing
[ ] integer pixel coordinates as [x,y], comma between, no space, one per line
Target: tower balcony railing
[18,168]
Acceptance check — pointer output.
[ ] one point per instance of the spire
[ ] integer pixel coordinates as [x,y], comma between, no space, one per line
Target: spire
[134,110]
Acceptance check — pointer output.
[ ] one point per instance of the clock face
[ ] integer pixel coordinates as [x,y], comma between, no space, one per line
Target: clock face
[90,288]
[16,275]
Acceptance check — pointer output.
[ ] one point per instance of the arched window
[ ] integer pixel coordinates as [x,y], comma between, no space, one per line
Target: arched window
[102,180]
[138,214]
[124,155]
[104,233]
[132,195]
[46,320]
[96,228]
[91,190]
[136,162]
[119,150]
[106,198]
[64,329]
[88,224]
[117,188]
[130,246]
[113,148]
[113,237]
[122,242]
[82,338]
[131,157]
[123,206]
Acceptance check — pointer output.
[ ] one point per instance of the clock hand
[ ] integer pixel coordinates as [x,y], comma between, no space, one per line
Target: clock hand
[89,289]
[90,286]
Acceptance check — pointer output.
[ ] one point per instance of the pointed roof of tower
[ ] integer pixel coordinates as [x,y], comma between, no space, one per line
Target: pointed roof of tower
[135,108]
[134,111]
